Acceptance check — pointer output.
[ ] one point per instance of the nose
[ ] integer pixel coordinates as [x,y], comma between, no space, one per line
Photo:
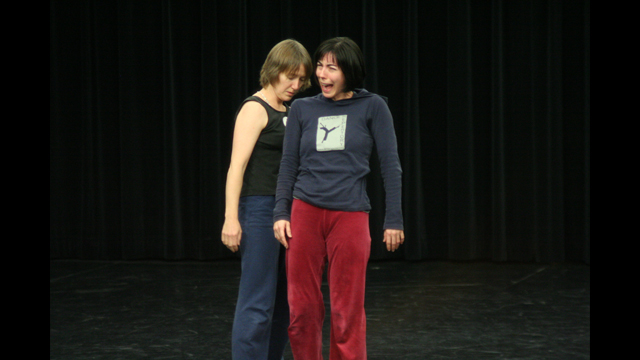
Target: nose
[320,72]
[296,84]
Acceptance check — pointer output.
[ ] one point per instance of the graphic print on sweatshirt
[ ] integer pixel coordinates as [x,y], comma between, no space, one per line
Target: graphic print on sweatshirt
[331,132]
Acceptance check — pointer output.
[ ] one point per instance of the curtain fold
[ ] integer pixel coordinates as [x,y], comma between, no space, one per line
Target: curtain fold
[412,188]
[490,99]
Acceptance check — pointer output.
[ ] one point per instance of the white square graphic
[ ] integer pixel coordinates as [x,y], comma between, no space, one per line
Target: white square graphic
[331,133]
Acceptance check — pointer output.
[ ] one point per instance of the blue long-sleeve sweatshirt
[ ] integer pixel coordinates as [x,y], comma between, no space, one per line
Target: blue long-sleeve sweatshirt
[325,160]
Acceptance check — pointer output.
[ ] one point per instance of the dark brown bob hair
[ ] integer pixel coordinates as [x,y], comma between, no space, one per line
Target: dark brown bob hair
[348,57]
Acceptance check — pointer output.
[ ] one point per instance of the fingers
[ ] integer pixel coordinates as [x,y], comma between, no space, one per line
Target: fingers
[391,244]
[277,231]
[282,231]
[231,234]
[284,242]
[393,239]
[232,242]
[283,238]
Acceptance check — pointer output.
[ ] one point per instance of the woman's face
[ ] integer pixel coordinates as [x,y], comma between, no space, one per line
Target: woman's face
[331,78]
[289,84]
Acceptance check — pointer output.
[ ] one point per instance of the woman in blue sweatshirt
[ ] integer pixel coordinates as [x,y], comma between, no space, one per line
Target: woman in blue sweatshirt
[321,212]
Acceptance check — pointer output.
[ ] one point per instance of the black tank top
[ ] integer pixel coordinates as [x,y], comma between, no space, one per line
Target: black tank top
[261,174]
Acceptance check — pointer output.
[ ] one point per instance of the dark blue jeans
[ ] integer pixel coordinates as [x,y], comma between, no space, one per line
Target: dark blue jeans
[262,312]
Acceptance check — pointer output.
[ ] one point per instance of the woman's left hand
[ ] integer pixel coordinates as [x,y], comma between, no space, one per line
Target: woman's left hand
[393,239]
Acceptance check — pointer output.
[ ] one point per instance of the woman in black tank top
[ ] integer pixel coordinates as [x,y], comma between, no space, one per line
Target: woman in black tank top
[262,313]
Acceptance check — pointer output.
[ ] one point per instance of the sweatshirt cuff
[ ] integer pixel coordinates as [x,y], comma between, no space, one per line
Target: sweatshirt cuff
[393,227]
[281,217]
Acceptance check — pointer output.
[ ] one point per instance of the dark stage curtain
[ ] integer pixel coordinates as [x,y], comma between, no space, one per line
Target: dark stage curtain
[491,101]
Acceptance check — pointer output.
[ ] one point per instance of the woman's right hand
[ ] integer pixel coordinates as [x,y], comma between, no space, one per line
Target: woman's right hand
[231,234]
[282,231]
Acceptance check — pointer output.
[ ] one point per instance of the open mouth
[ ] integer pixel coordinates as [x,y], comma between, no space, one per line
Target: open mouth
[326,87]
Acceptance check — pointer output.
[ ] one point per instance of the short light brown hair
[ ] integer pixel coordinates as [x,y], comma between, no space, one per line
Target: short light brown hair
[286,57]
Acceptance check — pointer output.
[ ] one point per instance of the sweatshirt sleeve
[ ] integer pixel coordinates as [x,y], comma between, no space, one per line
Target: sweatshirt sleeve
[288,166]
[384,135]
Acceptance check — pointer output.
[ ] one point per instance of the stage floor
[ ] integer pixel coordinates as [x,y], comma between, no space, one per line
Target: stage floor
[415,310]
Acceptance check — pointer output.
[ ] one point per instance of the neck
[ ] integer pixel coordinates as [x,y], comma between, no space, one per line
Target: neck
[343,95]
[272,99]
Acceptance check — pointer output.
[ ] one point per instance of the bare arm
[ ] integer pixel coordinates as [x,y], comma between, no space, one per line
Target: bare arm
[251,119]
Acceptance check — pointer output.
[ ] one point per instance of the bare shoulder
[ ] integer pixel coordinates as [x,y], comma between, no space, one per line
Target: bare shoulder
[252,112]
[253,107]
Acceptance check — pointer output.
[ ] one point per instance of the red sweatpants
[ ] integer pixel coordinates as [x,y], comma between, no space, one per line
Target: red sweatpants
[342,241]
